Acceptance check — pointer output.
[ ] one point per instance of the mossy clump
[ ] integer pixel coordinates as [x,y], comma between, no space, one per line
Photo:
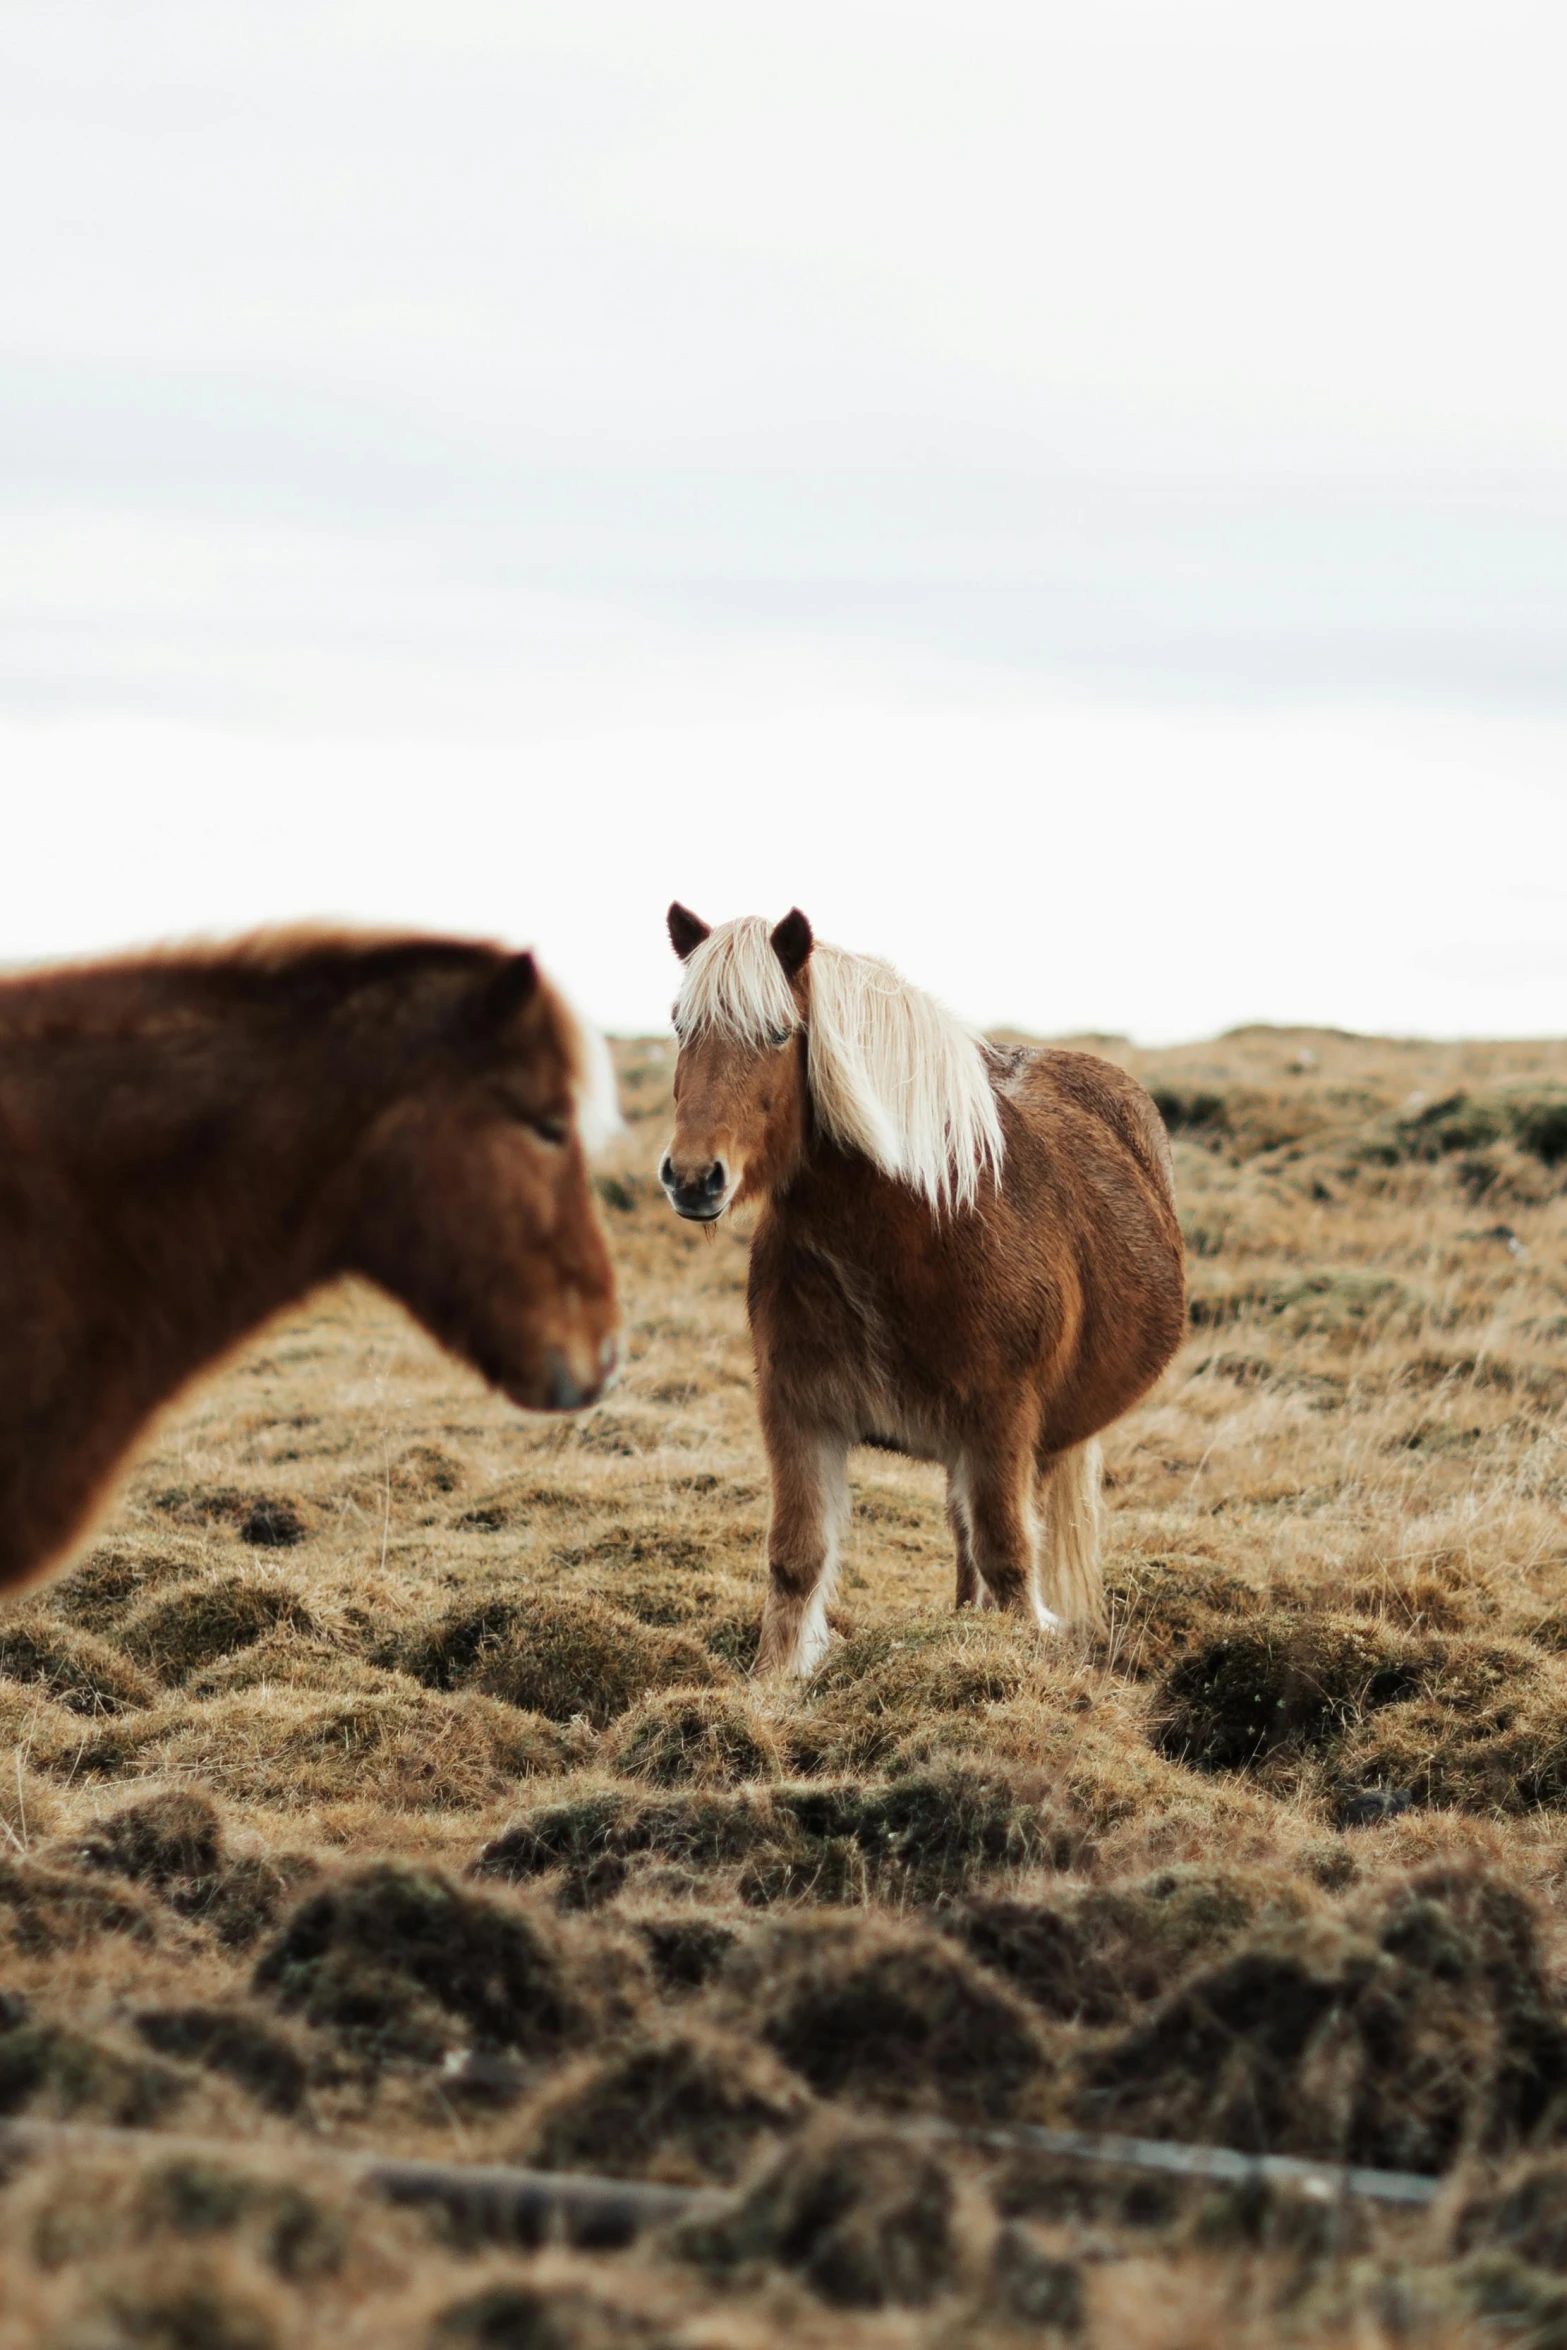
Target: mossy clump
[1097,1955]
[580,1834]
[1158,1609]
[1352,1304]
[1417,2028]
[886,2014]
[44,1909]
[1355,1302]
[545,2315]
[592,1837]
[1487,1733]
[244,1898]
[921,1837]
[555,1655]
[1242,1121]
[732,1635]
[402,1962]
[175,1634]
[708,1606]
[410,1751]
[876,1689]
[196,2311]
[299,2234]
[1192,1109]
[76,1668]
[687,1949]
[226,2040]
[1531,1117]
[865,2218]
[690,2104]
[293,1661]
[685,1737]
[406,1749]
[1286,1684]
[115,1575]
[272,1523]
[173,1835]
[268,1521]
[173,1844]
[424,1470]
[146,2211]
[47,2068]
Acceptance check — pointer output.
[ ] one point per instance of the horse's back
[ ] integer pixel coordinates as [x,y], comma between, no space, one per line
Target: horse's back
[1091,1183]
[1053,1087]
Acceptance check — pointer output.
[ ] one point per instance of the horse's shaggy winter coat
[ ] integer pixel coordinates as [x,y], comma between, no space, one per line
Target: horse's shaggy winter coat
[968,1255]
[190,1141]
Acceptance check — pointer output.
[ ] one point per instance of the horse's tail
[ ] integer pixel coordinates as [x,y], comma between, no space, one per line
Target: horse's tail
[1069,1579]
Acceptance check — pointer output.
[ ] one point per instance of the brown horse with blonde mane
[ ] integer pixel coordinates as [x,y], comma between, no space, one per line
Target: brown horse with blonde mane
[191,1140]
[964,1254]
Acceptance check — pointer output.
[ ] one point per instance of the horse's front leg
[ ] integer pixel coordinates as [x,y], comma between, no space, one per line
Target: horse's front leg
[970,1591]
[810,1506]
[994,1494]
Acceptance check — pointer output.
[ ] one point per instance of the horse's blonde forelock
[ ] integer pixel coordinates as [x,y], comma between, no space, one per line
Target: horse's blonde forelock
[892,1072]
[734,985]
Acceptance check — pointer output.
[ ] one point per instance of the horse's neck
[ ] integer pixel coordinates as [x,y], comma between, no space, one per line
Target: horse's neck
[842,1201]
[175,1169]
[162,1182]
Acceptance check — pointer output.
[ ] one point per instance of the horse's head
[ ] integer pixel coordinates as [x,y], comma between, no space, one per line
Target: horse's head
[740,1084]
[470,1199]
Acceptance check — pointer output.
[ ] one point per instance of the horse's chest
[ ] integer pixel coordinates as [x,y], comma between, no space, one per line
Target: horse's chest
[829,1300]
[829,1323]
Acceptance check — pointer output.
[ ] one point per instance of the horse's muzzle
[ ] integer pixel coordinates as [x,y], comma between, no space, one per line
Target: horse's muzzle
[702,1198]
[569,1386]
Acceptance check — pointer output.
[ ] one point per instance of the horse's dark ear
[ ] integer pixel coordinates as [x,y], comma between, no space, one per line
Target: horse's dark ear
[792,942]
[686,930]
[514,984]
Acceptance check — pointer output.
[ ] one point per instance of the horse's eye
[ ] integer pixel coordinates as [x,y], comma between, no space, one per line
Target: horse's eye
[777,1038]
[551,1130]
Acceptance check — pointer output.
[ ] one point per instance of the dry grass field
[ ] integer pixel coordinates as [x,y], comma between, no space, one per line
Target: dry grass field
[388,1776]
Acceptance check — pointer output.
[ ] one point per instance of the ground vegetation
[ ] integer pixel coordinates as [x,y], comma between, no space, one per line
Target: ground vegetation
[388,1774]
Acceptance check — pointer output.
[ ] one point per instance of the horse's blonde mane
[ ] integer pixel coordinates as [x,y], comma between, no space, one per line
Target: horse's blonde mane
[892,1072]
[595,1095]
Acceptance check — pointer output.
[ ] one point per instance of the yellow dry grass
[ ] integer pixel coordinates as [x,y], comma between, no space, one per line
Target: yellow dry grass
[427,1806]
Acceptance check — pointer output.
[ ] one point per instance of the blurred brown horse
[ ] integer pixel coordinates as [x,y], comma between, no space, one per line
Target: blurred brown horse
[968,1255]
[191,1140]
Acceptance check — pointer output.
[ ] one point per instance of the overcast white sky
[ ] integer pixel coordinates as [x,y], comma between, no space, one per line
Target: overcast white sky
[1076,496]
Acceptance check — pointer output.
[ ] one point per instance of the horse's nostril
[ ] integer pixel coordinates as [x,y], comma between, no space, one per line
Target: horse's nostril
[699,1197]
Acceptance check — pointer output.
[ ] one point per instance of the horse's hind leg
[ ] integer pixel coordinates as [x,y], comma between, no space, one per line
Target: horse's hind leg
[994,1495]
[810,1504]
[1069,1484]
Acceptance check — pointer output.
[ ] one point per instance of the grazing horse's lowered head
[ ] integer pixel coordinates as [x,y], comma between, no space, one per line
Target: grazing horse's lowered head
[468,1198]
[190,1141]
[965,1254]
